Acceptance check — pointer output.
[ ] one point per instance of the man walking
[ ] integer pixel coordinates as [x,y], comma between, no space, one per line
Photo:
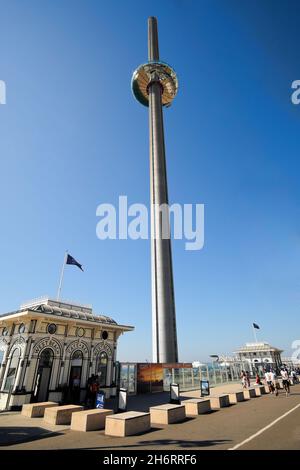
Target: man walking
[285,381]
[274,382]
[268,378]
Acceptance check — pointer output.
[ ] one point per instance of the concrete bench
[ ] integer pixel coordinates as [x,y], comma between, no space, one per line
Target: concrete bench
[235,397]
[61,414]
[89,420]
[197,406]
[167,414]
[219,401]
[127,424]
[249,393]
[37,410]
[259,390]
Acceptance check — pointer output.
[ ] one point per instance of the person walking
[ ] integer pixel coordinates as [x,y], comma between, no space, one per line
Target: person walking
[94,390]
[294,376]
[88,401]
[285,381]
[248,378]
[257,380]
[268,379]
[244,379]
[274,382]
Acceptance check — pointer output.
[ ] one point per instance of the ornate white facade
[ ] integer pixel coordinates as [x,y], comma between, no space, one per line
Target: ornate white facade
[49,349]
[260,356]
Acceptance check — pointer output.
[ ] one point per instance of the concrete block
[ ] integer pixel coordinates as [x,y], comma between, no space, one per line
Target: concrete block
[249,393]
[61,414]
[127,424]
[235,397]
[37,410]
[219,401]
[197,406]
[89,420]
[167,414]
[259,390]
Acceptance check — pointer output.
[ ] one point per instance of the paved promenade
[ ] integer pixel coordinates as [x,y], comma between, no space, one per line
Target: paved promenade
[266,422]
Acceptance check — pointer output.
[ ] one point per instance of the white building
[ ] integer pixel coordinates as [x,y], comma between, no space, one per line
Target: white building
[50,348]
[260,356]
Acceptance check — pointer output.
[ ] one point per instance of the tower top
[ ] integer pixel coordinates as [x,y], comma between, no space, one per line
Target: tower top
[154,70]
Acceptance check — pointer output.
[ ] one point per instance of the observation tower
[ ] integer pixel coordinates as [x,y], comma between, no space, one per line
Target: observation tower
[154,84]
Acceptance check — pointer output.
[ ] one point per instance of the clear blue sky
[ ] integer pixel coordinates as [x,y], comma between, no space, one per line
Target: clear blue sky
[72,137]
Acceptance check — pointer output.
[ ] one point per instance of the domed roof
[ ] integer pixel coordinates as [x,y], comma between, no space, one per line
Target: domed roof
[71,313]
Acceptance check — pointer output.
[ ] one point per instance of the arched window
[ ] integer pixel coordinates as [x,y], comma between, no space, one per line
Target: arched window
[12,371]
[3,348]
[46,358]
[77,358]
[101,370]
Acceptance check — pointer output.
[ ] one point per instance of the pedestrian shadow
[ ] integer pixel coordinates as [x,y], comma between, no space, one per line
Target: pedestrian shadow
[175,443]
[185,443]
[11,435]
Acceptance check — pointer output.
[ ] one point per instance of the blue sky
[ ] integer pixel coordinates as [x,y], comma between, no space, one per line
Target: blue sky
[72,137]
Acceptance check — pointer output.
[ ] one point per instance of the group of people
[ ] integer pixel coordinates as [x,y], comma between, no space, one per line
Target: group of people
[273,384]
[272,380]
[245,376]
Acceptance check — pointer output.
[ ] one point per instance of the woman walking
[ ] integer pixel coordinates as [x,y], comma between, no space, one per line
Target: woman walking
[244,379]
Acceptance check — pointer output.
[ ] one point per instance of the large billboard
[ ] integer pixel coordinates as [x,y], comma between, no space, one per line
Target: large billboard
[149,378]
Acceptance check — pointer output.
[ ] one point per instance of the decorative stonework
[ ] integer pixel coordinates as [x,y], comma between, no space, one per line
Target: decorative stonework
[78,344]
[47,343]
[3,344]
[20,342]
[103,346]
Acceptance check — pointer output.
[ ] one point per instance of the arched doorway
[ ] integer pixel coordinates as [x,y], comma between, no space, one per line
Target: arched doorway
[75,375]
[41,389]
[101,369]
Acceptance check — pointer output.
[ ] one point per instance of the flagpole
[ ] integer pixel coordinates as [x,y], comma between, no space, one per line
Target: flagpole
[255,337]
[62,275]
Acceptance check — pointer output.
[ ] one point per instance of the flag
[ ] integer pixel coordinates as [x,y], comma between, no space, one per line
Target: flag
[71,260]
[255,325]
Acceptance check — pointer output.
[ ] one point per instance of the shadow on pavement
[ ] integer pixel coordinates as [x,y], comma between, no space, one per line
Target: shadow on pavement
[10,435]
[184,443]
[175,443]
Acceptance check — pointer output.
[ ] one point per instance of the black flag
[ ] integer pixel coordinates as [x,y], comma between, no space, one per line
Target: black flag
[256,326]
[71,260]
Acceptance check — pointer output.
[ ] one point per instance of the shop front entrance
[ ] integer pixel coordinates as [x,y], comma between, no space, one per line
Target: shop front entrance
[42,382]
[75,376]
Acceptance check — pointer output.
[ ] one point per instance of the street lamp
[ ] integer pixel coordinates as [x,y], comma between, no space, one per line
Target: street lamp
[215,356]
